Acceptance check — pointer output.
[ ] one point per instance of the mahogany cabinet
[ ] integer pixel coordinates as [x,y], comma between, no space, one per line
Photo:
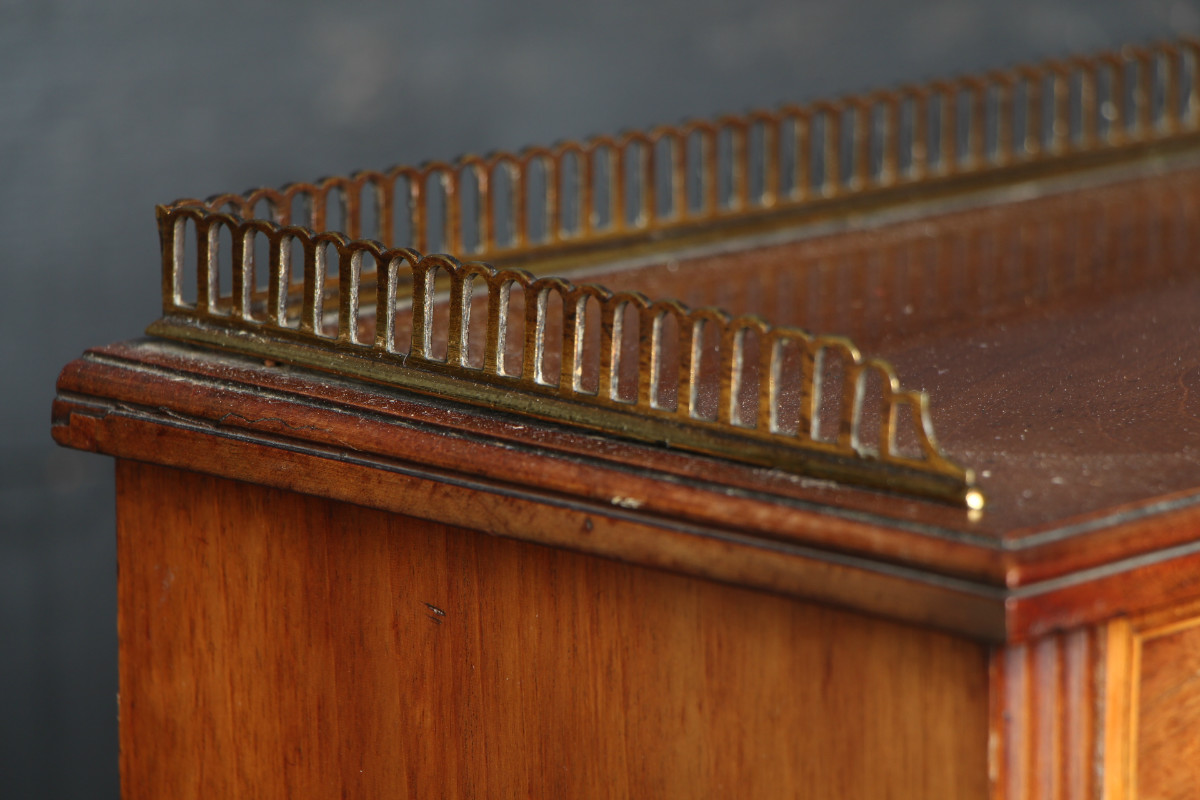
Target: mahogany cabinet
[369,546]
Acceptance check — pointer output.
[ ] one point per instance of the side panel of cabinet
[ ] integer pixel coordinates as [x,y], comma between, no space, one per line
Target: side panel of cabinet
[1109,712]
[1155,719]
[281,645]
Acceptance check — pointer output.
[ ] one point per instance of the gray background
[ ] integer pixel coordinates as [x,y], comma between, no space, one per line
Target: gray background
[108,108]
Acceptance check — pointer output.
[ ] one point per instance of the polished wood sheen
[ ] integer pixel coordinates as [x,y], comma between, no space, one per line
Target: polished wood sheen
[1169,712]
[335,588]
[281,645]
[1048,705]
[1153,705]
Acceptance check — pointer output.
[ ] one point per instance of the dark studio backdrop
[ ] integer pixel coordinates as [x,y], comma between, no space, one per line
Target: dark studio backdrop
[109,108]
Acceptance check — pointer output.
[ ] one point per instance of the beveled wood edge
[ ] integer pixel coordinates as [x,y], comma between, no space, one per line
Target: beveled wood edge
[1111,535]
[169,439]
[820,514]
[368,418]
[108,407]
[1132,586]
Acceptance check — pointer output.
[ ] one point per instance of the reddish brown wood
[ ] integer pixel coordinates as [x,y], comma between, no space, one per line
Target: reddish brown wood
[1054,335]
[345,415]
[276,639]
[601,528]
[905,559]
[1168,748]
[1048,713]
[278,645]
[1157,704]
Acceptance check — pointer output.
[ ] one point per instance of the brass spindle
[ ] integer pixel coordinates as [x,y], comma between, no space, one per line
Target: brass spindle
[611,323]
[1088,88]
[587,180]
[459,317]
[711,161]
[1033,113]
[1143,99]
[571,363]
[422,309]
[1004,121]
[416,210]
[385,305]
[948,144]
[535,335]
[349,267]
[1172,64]
[811,358]
[517,187]
[1060,128]
[242,259]
[769,354]
[616,198]
[649,213]
[1191,110]
[920,135]
[649,358]
[172,235]
[497,326]
[385,200]
[351,192]
[832,185]
[770,149]
[730,374]
[863,119]
[206,276]
[679,198]
[1120,116]
[889,168]
[977,124]
[739,165]
[314,286]
[689,369]
[847,419]
[553,211]
[803,163]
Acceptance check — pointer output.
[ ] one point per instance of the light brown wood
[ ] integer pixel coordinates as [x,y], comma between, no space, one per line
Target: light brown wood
[1148,704]
[280,645]
[1168,748]
[1157,695]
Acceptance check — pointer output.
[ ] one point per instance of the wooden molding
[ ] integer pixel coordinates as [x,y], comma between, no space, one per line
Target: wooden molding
[1048,716]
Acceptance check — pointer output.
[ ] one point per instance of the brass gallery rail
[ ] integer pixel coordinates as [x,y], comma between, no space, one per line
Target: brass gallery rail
[763,162]
[768,380]
[787,358]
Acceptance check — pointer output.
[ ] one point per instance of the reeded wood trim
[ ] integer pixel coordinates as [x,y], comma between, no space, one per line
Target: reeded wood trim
[1047,740]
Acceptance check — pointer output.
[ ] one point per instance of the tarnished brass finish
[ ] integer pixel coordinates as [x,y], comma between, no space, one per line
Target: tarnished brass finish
[551,208]
[552,203]
[312,339]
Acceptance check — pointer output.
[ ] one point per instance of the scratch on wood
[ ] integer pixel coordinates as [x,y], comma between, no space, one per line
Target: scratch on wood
[437,615]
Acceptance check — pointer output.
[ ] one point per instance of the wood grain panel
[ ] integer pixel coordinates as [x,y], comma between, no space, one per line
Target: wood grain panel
[281,645]
[1165,704]
[1152,705]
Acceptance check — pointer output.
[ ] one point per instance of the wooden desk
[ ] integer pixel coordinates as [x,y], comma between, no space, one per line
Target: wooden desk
[330,586]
